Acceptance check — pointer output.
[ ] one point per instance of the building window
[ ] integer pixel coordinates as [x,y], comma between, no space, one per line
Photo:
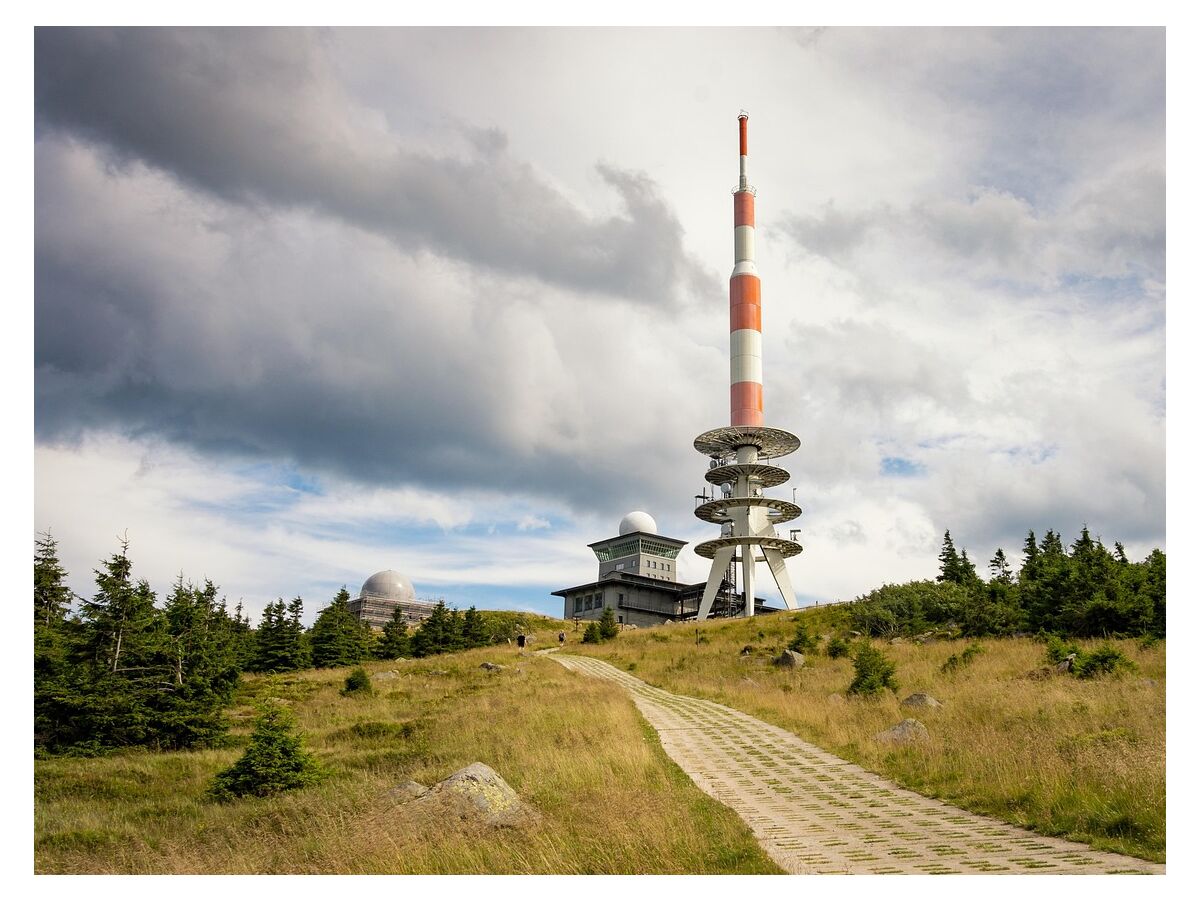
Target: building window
[578,604]
[620,599]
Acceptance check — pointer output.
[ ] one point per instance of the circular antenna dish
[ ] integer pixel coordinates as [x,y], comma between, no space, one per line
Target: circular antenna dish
[638,521]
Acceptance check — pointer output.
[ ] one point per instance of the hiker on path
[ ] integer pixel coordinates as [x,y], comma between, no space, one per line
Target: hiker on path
[562,638]
[520,643]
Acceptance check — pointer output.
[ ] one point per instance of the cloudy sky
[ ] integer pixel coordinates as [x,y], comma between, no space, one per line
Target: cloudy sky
[310,304]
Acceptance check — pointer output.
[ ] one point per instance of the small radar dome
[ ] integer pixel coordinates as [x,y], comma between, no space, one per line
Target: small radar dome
[638,521]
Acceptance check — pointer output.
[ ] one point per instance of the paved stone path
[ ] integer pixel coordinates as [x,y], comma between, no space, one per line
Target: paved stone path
[815,813]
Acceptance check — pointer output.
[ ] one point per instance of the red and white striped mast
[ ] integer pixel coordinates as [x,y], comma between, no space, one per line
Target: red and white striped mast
[741,455]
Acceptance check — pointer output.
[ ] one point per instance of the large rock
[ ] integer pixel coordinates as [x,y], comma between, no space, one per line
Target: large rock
[907,732]
[920,701]
[494,667]
[790,659]
[478,792]
[1067,664]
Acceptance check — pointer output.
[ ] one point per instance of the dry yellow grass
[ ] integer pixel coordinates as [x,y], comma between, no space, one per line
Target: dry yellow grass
[1079,759]
[611,802]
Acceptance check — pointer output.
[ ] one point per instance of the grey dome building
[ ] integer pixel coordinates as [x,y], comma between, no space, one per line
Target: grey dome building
[382,593]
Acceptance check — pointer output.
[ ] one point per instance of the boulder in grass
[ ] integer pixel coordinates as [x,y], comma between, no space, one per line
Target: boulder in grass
[1067,664]
[920,701]
[790,659]
[910,731]
[492,667]
[478,792]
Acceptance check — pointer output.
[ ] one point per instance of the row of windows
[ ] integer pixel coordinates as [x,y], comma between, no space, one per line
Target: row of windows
[591,601]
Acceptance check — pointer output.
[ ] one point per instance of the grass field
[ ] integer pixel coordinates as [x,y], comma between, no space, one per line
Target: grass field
[610,800]
[1085,760]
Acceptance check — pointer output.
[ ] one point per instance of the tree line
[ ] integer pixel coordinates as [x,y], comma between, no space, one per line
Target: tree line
[119,670]
[1085,590]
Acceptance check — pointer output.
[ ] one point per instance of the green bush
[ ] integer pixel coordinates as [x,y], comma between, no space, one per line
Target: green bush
[1104,660]
[591,634]
[873,672]
[274,761]
[837,647]
[1057,650]
[959,660]
[802,641]
[358,682]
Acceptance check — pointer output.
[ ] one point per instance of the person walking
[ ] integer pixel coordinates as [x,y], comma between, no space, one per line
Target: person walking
[520,643]
[562,638]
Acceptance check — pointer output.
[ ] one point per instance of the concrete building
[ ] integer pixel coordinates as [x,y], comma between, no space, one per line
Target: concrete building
[382,593]
[639,580]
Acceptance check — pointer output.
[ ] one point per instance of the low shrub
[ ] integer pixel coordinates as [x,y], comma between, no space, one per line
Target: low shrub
[1057,649]
[873,672]
[802,641]
[1104,660]
[591,634]
[958,660]
[358,682]
[837,647]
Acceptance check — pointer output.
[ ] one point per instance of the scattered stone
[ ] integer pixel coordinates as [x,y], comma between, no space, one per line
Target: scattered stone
[386,676]
[477,791]
[1149,682]
[896,640]
[438,672]
[1067,664]
[409,790]
[629,625]
[749,681]
[492,667]
[790,659]
[920,700]
[836,699]
[1040,674]
[856,634]
[907,732]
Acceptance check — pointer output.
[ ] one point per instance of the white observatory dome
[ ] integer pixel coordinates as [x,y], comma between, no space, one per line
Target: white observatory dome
[638,521]
[388,584]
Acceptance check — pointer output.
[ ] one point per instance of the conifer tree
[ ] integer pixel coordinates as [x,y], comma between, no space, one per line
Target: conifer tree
[51,600]
[396,642]
[338,638]
[119,664]
[475,633]
[434,634]
[275,759]
[608,624]
[967,576]
[999,568]
[949,560]
[203,663]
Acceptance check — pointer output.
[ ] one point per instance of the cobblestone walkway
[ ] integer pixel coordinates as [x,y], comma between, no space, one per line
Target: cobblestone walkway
[817,814]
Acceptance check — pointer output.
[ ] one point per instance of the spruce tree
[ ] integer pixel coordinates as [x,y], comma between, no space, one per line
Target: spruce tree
[338,638]
[474,629]
[51,600]
[608,624]
[434,634]
[949,560]
[203,662]
[120,663]
[396,642]
[999,568]
[275,759]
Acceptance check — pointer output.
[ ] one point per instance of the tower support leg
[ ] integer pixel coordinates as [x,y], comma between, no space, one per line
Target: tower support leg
[748,566]
[720,565]
[782,580]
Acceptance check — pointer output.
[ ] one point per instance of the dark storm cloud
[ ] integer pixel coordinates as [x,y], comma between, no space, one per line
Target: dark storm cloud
[297,338]
[258,117]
